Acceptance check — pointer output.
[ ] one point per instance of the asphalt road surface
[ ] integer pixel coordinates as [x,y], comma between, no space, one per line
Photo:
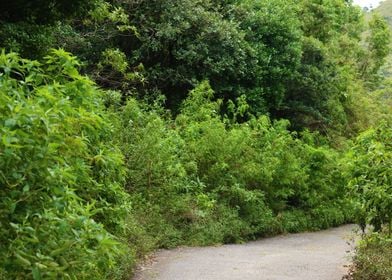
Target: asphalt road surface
[322,255]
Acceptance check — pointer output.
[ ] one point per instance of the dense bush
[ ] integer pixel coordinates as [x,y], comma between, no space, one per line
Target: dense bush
[371,182]
[198,178]
[203,178]
[63,211]
[373,258]
[370,161]
[298,60]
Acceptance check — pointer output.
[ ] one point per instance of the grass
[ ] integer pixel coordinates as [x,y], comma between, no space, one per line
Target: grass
[374,258]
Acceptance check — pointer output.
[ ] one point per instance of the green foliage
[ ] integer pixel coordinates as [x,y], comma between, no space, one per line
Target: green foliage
[323,82]
[385,10]
[205,179]
[29,27]
[371,175]
[273,31]
[298,60]
[378,41]
[182,42]
[43,11]
[216,125]
[373,258]
[63,210]
[113,71]
[28,39]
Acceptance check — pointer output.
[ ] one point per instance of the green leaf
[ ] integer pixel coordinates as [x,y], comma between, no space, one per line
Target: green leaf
[36,273]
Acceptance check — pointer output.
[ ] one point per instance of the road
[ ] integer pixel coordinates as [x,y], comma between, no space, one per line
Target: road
[322,255]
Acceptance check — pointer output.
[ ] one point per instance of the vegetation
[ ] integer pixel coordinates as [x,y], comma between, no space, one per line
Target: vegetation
[385,10]
[371,159]
[211,170]
[373,259]
[187,123]
[63,210]
[371,184]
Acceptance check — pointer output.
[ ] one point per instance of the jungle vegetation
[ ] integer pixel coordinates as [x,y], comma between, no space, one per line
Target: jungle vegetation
[132,125]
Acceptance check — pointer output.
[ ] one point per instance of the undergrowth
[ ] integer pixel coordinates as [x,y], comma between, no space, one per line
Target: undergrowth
[90,184]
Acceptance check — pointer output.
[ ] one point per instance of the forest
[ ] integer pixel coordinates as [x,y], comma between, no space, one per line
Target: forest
[132,125]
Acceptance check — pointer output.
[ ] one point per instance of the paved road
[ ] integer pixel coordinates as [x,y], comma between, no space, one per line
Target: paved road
[320,255]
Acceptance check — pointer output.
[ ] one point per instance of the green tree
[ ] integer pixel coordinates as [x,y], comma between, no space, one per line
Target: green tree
[323,82]
[378,48]
[32,27]
[43,11]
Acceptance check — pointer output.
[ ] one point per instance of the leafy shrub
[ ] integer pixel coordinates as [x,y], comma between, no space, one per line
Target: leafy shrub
[371,181]
[63,209]
[203,178]
[373,258]
[371,175]
[200,178]
[30,40]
